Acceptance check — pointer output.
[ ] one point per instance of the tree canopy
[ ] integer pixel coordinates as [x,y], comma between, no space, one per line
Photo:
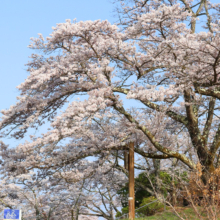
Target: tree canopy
[152,78]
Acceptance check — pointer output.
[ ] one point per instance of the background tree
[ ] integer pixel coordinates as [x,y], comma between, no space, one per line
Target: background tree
[63,194]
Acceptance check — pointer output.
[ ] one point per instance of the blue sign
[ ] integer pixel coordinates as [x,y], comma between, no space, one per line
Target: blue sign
[10,214]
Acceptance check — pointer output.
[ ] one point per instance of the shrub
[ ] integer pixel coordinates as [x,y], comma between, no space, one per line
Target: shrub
[150,209]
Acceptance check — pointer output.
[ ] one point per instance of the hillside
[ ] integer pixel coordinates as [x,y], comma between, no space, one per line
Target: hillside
[186,213]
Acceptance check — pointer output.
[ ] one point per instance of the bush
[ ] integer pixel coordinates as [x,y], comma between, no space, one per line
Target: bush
[150,209]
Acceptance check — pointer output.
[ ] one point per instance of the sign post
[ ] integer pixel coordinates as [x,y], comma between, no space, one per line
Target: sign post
[11,214]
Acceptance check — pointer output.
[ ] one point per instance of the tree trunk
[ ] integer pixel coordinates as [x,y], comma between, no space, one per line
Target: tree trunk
[72,215]
[207,163]
[207,173]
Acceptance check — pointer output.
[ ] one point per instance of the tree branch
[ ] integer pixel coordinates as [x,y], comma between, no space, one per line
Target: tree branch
[208,124]
[152,139]
[171,114]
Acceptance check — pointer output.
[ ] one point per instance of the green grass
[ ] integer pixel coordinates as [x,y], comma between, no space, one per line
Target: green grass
[186,213]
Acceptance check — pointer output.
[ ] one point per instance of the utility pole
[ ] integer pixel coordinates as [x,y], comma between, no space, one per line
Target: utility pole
[131,198]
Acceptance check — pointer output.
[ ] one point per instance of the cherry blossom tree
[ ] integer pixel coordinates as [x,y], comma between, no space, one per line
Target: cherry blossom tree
[61,194]
[152,79]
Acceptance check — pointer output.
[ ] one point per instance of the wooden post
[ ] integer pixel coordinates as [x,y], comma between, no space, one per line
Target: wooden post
[131,199]
[126,159]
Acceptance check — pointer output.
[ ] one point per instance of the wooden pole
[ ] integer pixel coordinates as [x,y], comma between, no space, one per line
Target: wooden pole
[131,199]
[126,159]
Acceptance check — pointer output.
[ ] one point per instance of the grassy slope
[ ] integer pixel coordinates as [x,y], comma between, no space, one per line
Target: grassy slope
[186,213]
